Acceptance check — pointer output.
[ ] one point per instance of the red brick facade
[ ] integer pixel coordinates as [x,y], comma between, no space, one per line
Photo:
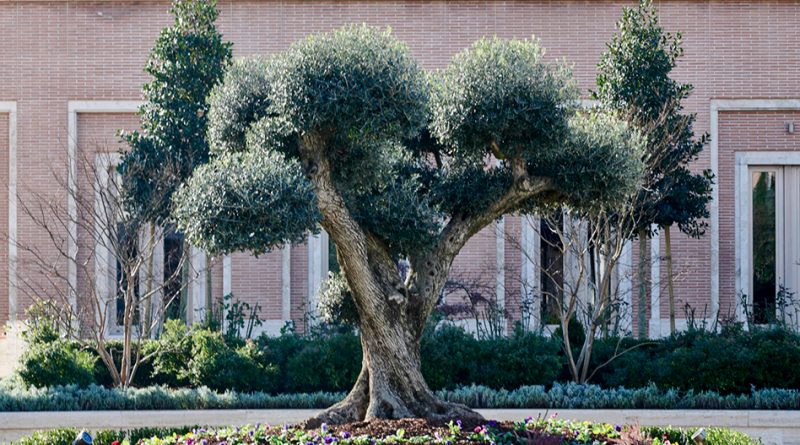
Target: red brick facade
[57,52]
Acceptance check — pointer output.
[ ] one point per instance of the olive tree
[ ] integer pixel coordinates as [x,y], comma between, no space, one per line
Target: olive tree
[345,132]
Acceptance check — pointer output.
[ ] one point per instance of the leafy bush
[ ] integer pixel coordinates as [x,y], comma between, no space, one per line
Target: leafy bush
[58,362]
[169,367]
[219,367]
[324,365]
[449,355]
[729,362]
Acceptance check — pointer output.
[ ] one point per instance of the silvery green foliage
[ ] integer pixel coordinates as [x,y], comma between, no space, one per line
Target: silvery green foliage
[243,97]
[358,82]
[598,164]
[335,303]
[560,396]
[502,92]
[247,201]
[407,149]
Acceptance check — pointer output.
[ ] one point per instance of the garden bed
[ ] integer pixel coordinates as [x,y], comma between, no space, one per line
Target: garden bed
[544,430]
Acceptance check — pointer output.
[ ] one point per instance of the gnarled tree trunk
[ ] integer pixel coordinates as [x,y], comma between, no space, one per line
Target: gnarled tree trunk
[390,384]
[392,311]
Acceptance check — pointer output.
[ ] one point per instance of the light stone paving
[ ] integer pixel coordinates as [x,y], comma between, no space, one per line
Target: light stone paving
[772,427]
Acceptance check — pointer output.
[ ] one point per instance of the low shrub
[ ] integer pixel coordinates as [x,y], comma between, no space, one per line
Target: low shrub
[57,362]
[330,364]
[729,362]
[560,396]
[219,367]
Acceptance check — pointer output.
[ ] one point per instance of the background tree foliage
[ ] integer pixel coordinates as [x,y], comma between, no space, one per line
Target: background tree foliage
[634,81]
[188,59]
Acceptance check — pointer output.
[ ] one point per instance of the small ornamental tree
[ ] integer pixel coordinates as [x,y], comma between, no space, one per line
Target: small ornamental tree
[634,80]
[189,58]
[345,132]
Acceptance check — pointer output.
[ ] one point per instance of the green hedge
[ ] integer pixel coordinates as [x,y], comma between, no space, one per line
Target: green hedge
[559,396]
[729,362]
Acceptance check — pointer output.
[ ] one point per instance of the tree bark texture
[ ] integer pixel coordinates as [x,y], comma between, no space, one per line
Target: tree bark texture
[392,310]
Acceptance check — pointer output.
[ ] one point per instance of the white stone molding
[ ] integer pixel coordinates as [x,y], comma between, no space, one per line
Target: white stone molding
[10,108]
[743,214]
[73,109]
[500,267]
[530,249]
[655,281]
[717,106]
[286,282]
[315,271]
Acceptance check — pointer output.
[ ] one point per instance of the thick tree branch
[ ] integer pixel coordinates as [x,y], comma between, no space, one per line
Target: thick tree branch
[365,260]
[430,270]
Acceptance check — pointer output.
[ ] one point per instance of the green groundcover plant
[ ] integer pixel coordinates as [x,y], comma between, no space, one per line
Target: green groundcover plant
[558,396]
[550,430]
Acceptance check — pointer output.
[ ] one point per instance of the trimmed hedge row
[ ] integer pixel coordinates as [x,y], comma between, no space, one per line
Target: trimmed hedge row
[559,396]
[730,362]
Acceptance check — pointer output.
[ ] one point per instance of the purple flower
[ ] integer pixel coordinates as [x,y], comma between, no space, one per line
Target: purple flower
[345,434]
[492,424]
[329,440]
[618,428]
[323,427]
[458,422]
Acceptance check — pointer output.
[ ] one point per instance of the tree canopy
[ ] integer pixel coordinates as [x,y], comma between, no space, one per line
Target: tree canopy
[408,150]
[634,81]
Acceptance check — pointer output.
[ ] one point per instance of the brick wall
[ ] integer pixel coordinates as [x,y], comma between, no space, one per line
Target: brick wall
[58,51]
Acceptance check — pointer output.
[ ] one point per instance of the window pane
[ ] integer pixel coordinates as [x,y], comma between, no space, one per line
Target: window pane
[333,262]
[764,247]
[173,276]
[126,259]
[552,267]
